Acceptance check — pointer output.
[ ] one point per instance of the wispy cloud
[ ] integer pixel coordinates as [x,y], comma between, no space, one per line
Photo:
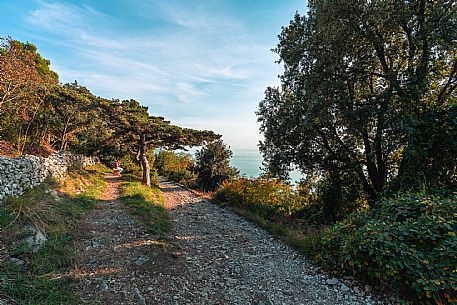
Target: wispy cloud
[185,61]
[188,14]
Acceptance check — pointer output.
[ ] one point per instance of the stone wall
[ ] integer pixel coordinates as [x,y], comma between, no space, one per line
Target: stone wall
[28,171]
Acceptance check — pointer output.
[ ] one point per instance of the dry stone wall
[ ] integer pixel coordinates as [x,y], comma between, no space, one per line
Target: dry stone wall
[16,174]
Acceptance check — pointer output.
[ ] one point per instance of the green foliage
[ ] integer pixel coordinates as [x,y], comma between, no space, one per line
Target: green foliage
[274,199]
[338,193]
[139,132]
[5,218]
[268,198]
[25,81]
[147,204]
[366,95]
[409,244]
[72,115]
[38,115]
[42,64]
[20,248]
[176,167]
[430,161]
[213,165]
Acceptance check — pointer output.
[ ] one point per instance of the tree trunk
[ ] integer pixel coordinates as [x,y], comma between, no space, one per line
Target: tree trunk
[333,197]
[144,161]
[64,135]
[26,134]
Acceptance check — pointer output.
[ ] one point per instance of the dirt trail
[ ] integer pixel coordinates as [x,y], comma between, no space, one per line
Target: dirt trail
[117,257]
[212,256]
[233,261]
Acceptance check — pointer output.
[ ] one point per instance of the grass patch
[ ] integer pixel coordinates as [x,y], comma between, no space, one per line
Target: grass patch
[87,182]
[147,204]
[54,208]
[40,281]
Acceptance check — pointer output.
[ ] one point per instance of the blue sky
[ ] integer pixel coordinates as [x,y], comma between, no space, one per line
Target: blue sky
[201,64]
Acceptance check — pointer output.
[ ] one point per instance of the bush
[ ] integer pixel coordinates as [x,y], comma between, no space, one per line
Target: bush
[213,165]
[176,167]
[268,197]
[273,196]
[408,243]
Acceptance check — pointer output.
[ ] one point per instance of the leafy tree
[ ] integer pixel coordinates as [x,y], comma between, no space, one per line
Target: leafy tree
[135,129]
[213,165]
[25,81]
[368,89]
[168,162]
[71,105]
[19,74]
[40,115]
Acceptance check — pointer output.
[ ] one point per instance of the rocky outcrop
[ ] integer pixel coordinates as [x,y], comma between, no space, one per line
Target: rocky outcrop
[16,174]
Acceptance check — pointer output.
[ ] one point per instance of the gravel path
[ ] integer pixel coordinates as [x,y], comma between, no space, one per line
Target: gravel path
[212,256]
[117,258]
[231,261]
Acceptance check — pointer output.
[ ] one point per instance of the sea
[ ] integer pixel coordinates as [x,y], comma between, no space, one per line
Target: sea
[249,163]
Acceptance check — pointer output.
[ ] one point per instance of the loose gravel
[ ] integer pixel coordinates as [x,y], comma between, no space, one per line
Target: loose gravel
[231,261]
[212,256]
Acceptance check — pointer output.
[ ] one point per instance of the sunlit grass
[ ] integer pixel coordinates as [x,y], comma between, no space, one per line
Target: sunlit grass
[147,204]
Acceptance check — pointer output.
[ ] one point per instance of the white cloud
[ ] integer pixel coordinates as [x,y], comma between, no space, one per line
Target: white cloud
[53,16]
[210,73]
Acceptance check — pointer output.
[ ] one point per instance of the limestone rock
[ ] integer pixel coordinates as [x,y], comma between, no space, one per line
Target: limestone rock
[17,261]
[37,240]
[16,174]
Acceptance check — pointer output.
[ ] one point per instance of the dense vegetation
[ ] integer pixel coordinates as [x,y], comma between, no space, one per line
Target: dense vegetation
[367,110]
[367,100]
[207,172]
[407,245]
[213,165]
[268,198]
[178,167]
[38,115]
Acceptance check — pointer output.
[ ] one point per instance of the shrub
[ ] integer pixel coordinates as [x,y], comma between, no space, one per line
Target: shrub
[268,197]
[176,167]
[213,165]
[408,243]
